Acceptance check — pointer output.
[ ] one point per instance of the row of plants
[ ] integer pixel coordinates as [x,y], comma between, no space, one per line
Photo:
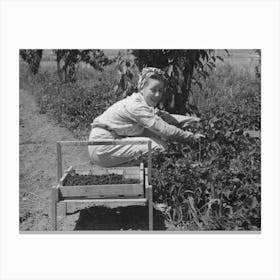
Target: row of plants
[214,184]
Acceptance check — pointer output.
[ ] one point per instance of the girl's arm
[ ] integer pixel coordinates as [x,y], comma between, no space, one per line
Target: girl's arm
[177,120]
[170,119]
[146,116]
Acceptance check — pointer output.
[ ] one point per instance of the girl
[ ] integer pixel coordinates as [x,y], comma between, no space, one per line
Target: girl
[135,117]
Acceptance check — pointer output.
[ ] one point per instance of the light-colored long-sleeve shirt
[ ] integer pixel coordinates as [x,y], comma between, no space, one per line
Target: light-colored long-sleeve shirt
[131,116]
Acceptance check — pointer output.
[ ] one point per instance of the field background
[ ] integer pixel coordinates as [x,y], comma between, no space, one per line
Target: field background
[50,112]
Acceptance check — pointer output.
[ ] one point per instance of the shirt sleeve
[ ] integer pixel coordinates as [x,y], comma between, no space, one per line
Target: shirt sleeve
[167,117]
[146,116]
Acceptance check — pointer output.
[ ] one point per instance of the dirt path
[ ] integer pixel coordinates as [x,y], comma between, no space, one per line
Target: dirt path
[38,172]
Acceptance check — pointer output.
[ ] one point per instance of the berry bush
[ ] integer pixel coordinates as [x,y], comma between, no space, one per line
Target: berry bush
[213,184]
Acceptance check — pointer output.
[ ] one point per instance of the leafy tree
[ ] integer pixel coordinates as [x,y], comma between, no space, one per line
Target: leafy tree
[179,66]
[33,58]
[68,62]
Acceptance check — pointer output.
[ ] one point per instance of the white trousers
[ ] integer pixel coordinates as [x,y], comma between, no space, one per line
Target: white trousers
[115,155]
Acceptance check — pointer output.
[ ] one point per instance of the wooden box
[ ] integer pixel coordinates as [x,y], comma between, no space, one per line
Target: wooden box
[138,193]
[105,191]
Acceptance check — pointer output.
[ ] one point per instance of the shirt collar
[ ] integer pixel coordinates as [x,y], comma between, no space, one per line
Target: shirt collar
[140,96]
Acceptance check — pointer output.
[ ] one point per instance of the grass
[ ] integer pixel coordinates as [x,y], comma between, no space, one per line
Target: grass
[228,88]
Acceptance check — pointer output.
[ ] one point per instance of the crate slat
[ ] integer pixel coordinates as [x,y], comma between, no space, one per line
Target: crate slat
[141,174]
[124,190]
[109,202]
[103,142]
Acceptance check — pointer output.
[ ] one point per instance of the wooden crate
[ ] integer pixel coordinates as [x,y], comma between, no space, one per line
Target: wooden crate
[104,191]
[110,194]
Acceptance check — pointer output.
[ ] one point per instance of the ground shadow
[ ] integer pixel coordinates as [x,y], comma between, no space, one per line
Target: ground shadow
[120,218]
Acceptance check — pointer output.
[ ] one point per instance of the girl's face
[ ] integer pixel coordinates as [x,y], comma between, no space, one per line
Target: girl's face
[153,91]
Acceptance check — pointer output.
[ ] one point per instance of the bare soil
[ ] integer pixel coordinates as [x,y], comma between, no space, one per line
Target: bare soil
[38,173]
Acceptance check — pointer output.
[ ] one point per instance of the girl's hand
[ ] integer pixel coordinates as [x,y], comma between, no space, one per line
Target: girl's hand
[190,137]
[197,136]
[182,119]
[190,122]
[194,119]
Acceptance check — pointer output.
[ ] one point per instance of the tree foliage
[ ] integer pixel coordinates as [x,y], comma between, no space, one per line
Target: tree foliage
[68,62]
[33,59]
[179,66]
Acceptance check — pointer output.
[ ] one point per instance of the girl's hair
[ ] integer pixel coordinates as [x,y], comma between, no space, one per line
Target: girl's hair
[150,73]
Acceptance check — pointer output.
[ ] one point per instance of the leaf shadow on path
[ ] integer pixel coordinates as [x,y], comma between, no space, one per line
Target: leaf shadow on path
[120,218]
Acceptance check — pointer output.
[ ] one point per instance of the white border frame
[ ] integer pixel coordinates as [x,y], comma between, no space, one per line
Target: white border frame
[145,24]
